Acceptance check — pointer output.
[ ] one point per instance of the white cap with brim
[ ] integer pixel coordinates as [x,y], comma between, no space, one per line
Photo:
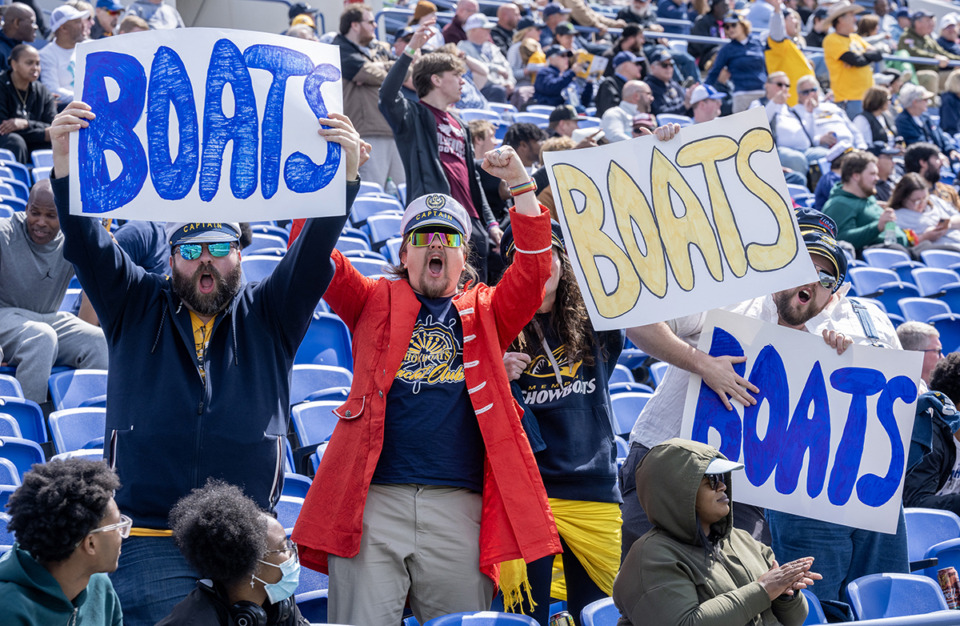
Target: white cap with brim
[436,209]
[63,14]
[722,466]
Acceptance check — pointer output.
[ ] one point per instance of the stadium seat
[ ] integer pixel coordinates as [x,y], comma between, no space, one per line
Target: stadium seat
[623,446]
[288,510]
[340,394]
[311,580]
[631,357]
[258,266]
[317,456]
[14,203]
[327,342]
[469,115]
[621,374]
[483,618]
[314,421]
[870,280]
[263,241]
[391,249]
[671,118]
[894,595]
[626,408]
[29,417]
[657,370]
[18,172]
[540,109]
[40,173]
[351,244]
[312,604]
[93,454]
[630,388]
[6,211]
[76,429]
[589,122]
[922,309]
[531,117]
[363,207]
[72,388]
[367,186]
[949,330]
[9,427]
[269,228]
[815,613]
[6,536]
[382,227]
[943,259]
[600,613]
[365,254]
[928,527]
[295,485]
[933,281]
[10,387]
[306,379]
[402,190]
[21,452]
[349,231]
[9,474]
[884,258]
[42,158]
[369,267]
[502,109]
[71,300]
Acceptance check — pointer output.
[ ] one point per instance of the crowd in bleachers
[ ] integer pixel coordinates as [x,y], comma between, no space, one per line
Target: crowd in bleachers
[864,104]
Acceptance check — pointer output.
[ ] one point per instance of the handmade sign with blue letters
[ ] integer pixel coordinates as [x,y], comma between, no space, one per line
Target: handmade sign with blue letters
[203,124]
[829,435]
[656,230]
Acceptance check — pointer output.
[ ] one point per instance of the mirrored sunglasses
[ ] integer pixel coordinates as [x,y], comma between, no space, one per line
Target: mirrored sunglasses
[423,238]
[123,527]
[192,251]
[827,281]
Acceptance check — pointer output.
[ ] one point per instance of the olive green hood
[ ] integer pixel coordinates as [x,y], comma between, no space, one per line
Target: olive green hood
[668,478]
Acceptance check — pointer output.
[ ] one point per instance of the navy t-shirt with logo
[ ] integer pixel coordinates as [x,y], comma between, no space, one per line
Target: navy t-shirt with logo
[431,435]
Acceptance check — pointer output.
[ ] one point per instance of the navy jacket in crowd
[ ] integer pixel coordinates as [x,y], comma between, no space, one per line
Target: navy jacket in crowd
[745,61]
[671,10]
[950,112]
[953,47]
[929,131]
[549,86]
[169,428]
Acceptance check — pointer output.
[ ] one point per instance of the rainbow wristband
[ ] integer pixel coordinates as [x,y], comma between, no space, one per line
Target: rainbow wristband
[530,185]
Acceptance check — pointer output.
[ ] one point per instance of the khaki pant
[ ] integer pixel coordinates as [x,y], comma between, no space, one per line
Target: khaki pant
[420,540]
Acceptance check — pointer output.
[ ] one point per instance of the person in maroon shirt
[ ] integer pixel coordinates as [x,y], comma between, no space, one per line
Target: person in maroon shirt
[453,32]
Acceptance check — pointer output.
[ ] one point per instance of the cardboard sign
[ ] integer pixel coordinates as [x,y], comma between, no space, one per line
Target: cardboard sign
[657,230]
[201,124]
[829,436]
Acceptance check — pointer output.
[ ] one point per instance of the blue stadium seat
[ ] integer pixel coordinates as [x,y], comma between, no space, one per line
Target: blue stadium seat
[391,249]
[6,211]
[600,613]
[258,266]
[262,241]
[340,394]
[9,426]
[922,309]
[530,117]
[5,492]
[541,109]
[76,429]
[311,580]
[657,370]
[306,379]
[327,342]
[630,388]
[29,417]
[671,118]
[92,454]
[370,267]
[312,604]
[365,254]
[502,109]
[350,244]
[933,281]
[483,618]
[367,186]
[6,535]
[382,227]
[621,374]
[42,158]
[626,408]
[288,510]
[365,207]
[589,122]
[16,171]
[949,330]
[944,259]
[314,421]
[349,231]
[631,357]
[317,456]
[894,595]
[21,452]
[947,554]
[884,258]
[815,613]
[72,388]
[469,115]
[10,387]
[40,173]
[12,202]
[71,300]
[9,474]
[870,280]
[269,228]
[623,446]
[295,485]
[402,190]
[927,527]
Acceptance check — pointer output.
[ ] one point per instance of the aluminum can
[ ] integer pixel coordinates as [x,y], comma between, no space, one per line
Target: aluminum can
[950,584]
[563,618]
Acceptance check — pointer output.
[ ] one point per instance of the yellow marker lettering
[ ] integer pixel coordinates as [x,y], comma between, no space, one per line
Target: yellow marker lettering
[707,152]
[633,207]
[590,243]
[677,233]
[772,256]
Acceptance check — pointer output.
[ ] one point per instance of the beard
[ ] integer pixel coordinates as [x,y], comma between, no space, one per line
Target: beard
[792,314]
[932,175]
[868,191]
[207,303]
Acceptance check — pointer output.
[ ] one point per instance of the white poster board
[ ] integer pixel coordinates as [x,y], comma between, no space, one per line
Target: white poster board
[657,230]
[830,434]
[202,124]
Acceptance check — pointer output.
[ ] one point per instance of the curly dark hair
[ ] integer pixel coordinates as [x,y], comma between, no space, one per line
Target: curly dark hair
[569,321]
[58,504]
[945,377]
[221,532]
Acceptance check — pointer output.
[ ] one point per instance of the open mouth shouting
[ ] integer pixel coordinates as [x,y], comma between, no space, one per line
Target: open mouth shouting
[804,295]
[435,264]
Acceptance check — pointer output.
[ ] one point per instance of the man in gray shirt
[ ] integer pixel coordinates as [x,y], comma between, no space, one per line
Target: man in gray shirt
[34,276]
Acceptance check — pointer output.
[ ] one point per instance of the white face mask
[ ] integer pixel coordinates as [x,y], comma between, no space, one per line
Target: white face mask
[280,591]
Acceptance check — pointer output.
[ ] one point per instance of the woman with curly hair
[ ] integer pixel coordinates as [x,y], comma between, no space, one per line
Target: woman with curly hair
[68,530]
[250,566]
[563,368]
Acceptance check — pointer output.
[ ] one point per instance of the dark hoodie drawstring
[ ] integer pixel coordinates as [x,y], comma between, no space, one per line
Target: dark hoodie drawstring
[163,318]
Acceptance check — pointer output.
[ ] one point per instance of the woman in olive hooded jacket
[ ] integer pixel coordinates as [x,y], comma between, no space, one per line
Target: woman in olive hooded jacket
[694,567]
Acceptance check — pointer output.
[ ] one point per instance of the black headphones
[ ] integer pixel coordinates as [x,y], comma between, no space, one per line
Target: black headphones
[248,614]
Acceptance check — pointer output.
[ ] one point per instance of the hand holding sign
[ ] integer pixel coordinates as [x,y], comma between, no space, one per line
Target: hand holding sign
[77,115]
[339,129]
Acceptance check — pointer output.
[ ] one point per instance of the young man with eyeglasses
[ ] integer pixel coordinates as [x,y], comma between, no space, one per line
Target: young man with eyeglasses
[202,382]
[68,530]
[428,482]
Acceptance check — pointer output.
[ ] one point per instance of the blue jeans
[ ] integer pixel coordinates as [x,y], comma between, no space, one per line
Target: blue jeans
[842,553]
[152,577]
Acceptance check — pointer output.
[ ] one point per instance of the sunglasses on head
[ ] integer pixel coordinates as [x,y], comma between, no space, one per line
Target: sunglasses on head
[192,251]
[423,238]
[714,480]
[827,280]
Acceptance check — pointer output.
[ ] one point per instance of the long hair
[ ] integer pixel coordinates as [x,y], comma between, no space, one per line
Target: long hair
[907,185]
[569,321]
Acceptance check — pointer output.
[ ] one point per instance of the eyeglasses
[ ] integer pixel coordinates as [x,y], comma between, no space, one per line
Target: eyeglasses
[729,26]
[665,64]
[423,238]
[782,85]
[939,351]
[715,480]
[807,92]
[827,280]
[288,547]
[192,251]
[123,526]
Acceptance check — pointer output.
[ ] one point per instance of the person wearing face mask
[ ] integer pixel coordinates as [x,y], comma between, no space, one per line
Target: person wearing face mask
[249,568]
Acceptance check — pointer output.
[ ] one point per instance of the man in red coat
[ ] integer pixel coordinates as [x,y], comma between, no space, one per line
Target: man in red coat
[428,482]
